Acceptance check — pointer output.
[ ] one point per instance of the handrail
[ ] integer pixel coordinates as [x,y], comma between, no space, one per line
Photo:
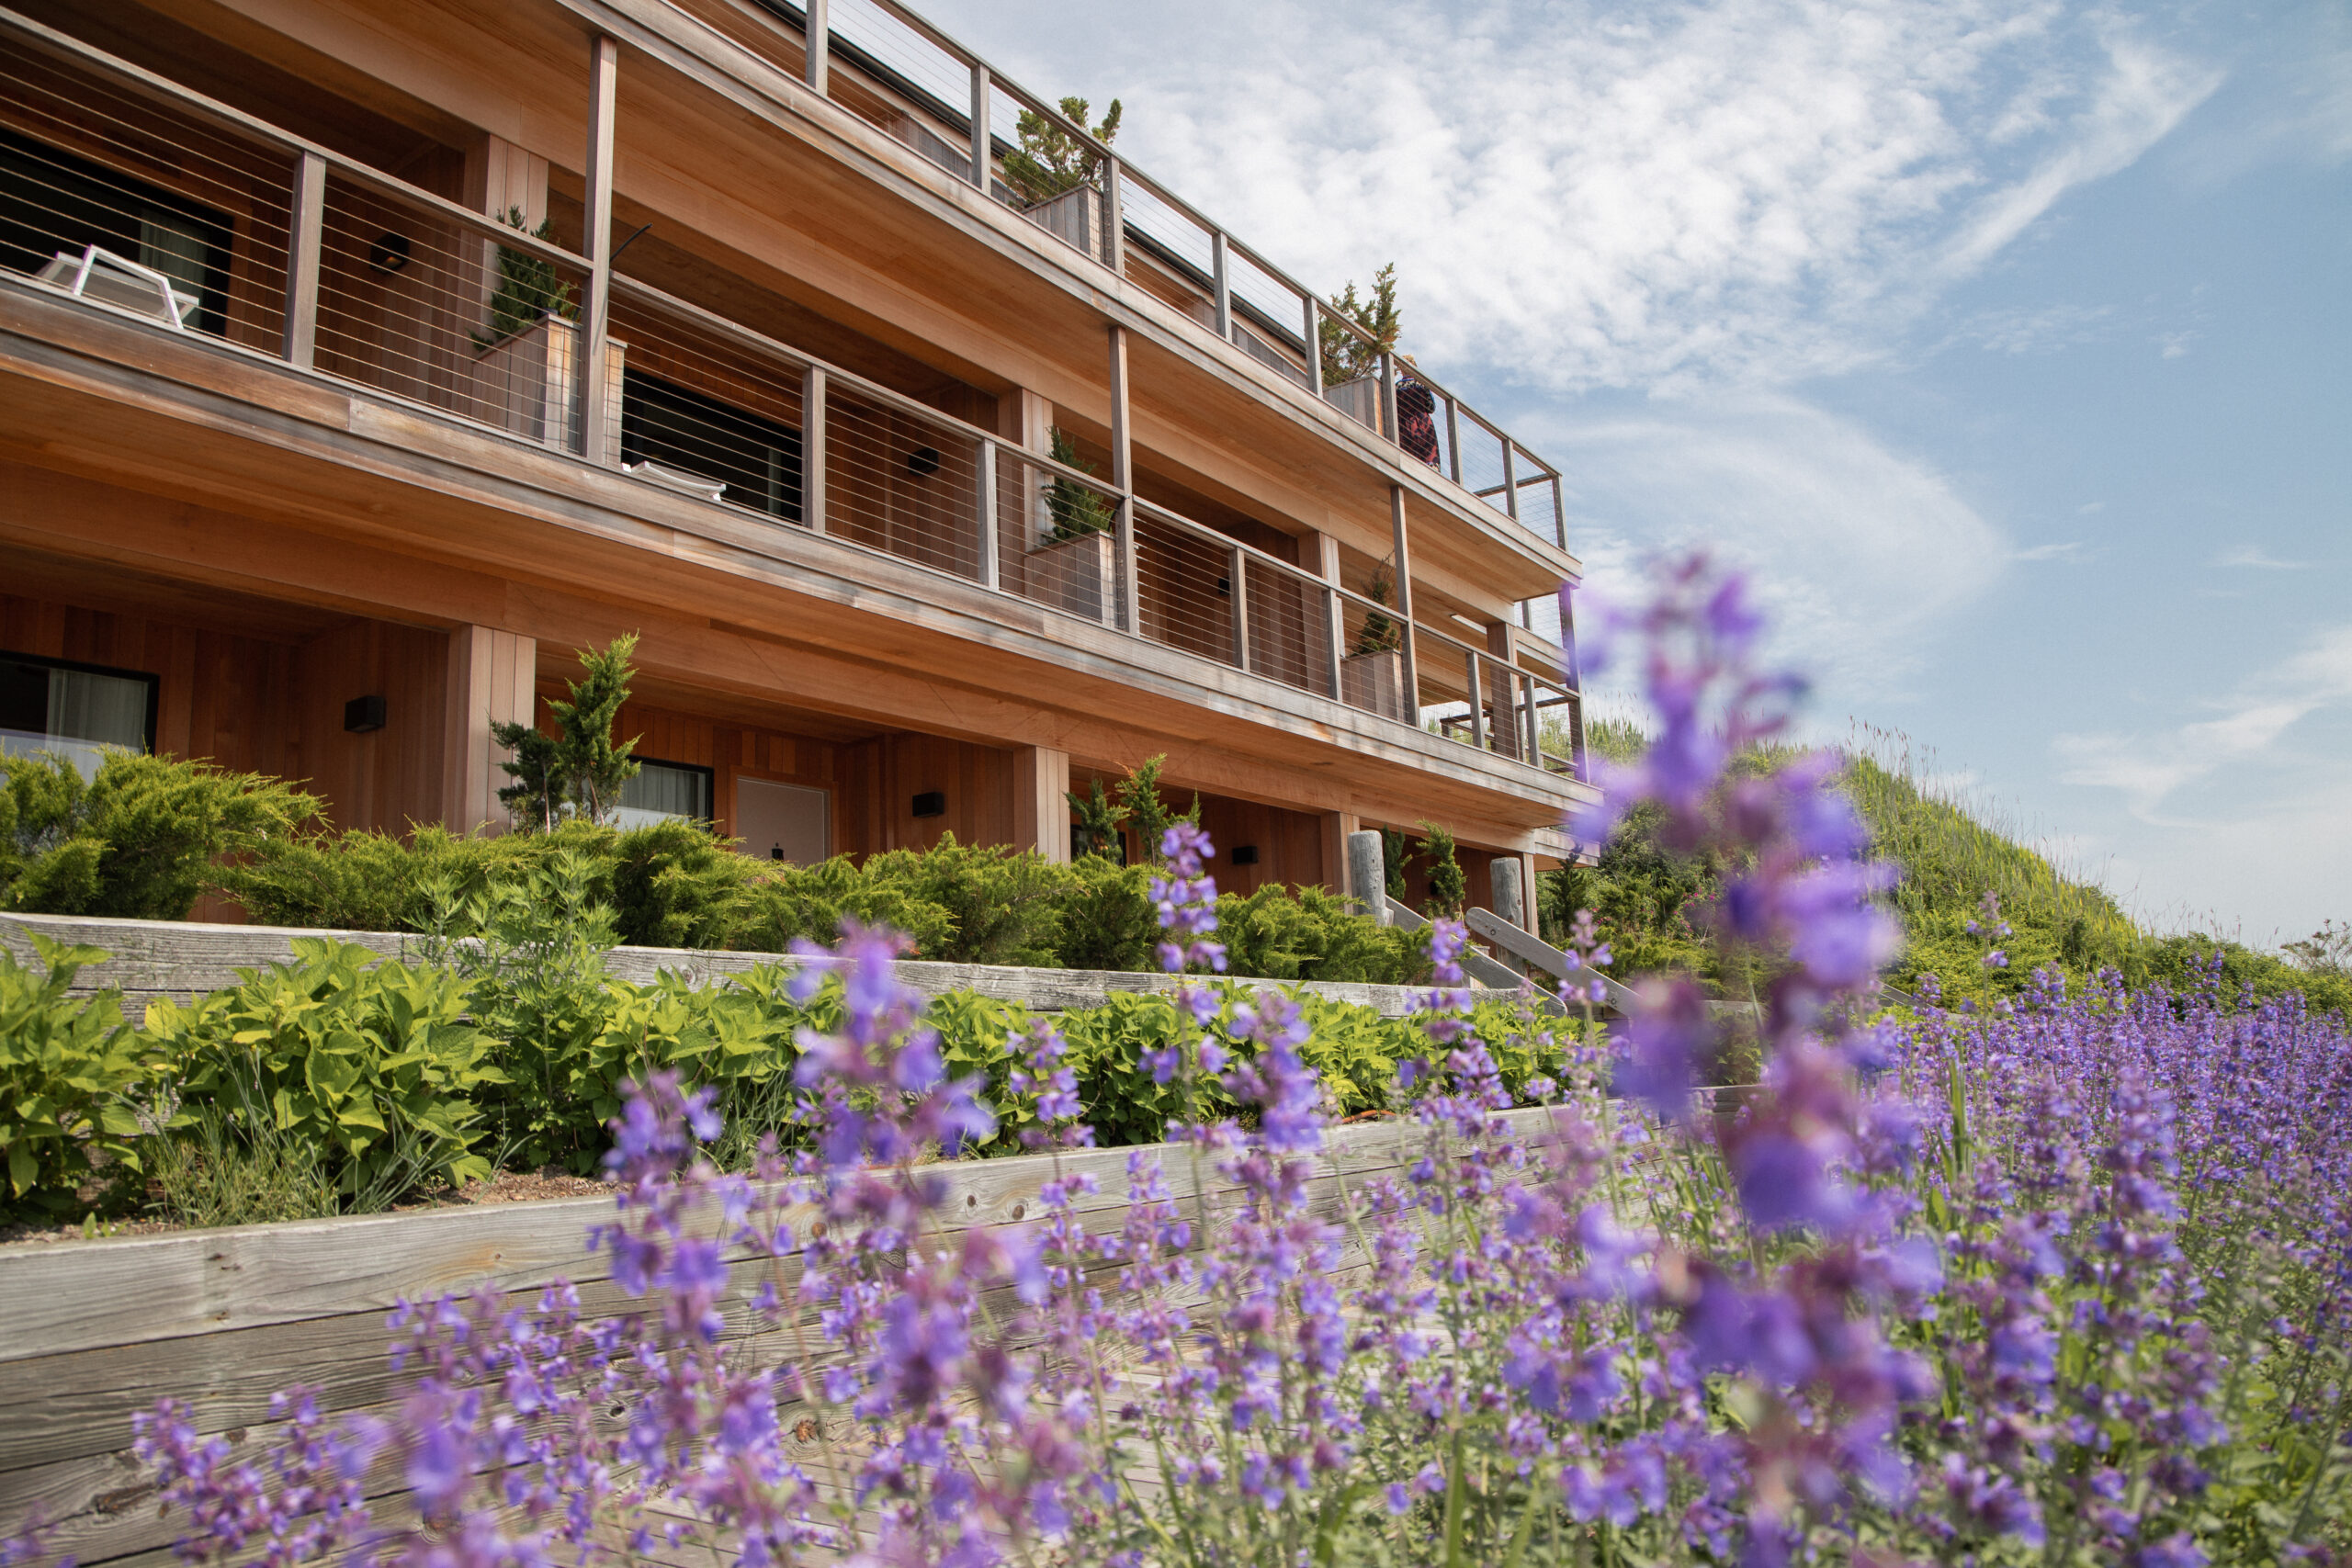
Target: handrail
[165,89]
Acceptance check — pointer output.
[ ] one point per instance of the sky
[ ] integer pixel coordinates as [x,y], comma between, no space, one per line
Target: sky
[2006,344]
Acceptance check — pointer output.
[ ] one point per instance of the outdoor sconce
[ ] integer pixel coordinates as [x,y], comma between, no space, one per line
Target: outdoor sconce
[930,803]
[363,715]
[1245,855]
[389,253]
[923,462]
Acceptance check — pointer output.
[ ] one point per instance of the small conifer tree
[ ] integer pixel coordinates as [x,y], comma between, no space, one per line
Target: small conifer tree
[578,771]
[1448,889]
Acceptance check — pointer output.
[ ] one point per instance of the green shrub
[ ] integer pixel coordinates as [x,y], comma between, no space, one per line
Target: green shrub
[1000,904]
[137,841]
[676,883]
[1277,933]
[69,1070]
[1107,920]
[367,1064]
[1106,1050]
[791,903]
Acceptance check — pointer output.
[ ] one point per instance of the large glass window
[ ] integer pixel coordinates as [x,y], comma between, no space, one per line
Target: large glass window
[757,459]
[53,203]
[76,710]
[664,792]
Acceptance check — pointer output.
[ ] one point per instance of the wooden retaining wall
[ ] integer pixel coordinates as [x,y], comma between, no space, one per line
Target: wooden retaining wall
[153,959]
[94,1331]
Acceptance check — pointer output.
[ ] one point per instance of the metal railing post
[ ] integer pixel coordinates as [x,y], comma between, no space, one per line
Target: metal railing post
[591,417]
[813,449]
[817,41]
[305,232]
[1412,692]
[1115,221]
[981,145]
[984,512]
[1239,600]
[1314,345]
[1478,705]
[1130,591]
[1224,288]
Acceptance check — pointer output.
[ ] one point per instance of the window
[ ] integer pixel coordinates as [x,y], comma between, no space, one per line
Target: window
[757,459]
[53,202]
[664,792]
[782,821]
[76,710]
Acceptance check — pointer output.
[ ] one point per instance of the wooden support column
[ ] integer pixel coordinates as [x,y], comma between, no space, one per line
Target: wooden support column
[1336,825]
[1412,693]
[591,416]
[490,677]
[1040,802]
[818,43]
[1222,284]
[306,228]
[981,145]
[1335,623]
[1130,594]
[813,449]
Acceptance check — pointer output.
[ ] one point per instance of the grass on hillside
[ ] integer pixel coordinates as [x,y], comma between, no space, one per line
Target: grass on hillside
[1949,857]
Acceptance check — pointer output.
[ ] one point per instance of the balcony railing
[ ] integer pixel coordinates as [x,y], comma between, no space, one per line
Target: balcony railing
[948,105]
[198,218]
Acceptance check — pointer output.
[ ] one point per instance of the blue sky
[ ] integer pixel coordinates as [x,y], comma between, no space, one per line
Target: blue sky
[2004,342]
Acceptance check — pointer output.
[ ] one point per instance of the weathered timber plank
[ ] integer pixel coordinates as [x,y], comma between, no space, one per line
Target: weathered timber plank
[152,959]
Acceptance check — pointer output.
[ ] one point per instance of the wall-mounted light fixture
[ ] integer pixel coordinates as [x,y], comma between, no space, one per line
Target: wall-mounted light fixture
[363,715]
[1245,855]
[389,253]
[930,803]
[923,462]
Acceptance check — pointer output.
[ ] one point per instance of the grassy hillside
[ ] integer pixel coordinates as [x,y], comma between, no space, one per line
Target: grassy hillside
[1949,857]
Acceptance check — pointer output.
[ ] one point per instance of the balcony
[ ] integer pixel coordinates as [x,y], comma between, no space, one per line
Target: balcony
[270,245]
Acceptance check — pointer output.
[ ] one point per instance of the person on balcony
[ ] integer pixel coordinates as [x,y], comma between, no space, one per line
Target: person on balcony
[1416,417]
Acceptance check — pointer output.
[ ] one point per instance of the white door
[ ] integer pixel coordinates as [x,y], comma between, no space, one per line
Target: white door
[782,821]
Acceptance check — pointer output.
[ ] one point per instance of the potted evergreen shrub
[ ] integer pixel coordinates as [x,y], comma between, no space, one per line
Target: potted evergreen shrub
[1372,673]
[525,353]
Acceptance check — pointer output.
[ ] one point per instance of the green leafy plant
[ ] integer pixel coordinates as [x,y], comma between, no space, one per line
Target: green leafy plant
[369,1065]
[138,841]
[529,289]
[1050,161]
[1448,889]
[1346,357]
[578,772]
[70,1074]
[219,1167]
[1077,509]
[1379,633]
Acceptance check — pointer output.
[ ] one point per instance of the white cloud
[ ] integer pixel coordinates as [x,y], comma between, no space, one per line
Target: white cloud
[1857,550]
[2248,726]
[2255,556]
[1637,194]
[2072,550]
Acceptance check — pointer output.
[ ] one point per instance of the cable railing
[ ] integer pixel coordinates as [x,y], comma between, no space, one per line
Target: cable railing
[940,91]
[235,230]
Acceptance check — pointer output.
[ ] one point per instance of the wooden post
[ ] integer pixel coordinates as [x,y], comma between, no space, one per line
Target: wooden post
[590,417]
[1041,803]
[1510,481]
[818,42]
[813,449]
[1559,515]
[1477,706]
[305,232]
[1115,221]
[1314,344]
[1388,395]
[1334,608]
[1218,268]
[1535,752]
[490,676]
[1412,693]
[1336,825]
[981,145]
[984,512]
[1239,600]
[1453,437]
[1130,593]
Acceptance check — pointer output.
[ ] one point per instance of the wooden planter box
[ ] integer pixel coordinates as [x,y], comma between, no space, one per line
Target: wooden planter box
[522,384]
[1359,399]
[1073,216]
[1374,682]
[1078,577]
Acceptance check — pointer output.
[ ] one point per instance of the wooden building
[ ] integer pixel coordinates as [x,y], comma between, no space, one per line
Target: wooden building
[360,361]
